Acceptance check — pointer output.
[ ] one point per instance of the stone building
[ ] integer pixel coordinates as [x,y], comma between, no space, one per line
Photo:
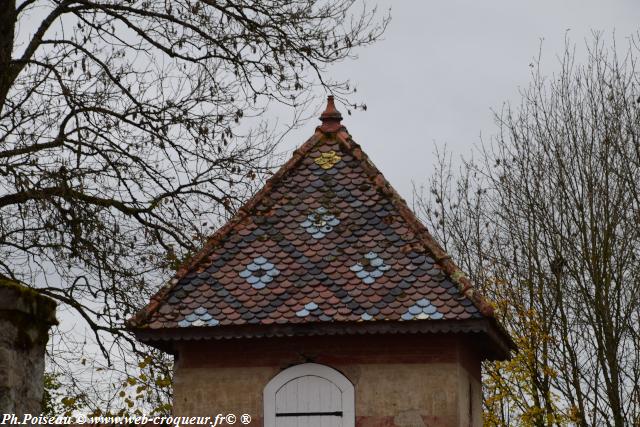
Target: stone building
[325,302]
[25,319]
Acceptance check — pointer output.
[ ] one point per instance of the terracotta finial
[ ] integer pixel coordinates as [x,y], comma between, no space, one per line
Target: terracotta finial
[331,117]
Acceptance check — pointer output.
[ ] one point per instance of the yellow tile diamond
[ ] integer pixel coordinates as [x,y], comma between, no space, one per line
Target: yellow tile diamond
[328,160]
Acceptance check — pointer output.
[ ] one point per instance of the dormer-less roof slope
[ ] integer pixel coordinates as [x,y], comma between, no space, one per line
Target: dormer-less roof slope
[327,246]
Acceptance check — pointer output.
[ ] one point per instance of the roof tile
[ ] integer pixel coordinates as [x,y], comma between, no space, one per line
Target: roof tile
[326,240]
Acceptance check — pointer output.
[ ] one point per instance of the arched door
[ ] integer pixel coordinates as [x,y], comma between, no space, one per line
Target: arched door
[309,395]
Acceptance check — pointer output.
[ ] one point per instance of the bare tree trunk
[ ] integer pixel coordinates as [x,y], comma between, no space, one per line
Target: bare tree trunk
[7,34]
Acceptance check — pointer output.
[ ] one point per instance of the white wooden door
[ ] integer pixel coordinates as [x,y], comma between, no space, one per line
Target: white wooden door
[309,395]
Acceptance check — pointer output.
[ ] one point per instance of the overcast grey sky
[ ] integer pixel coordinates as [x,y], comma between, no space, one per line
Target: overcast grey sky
[443,65]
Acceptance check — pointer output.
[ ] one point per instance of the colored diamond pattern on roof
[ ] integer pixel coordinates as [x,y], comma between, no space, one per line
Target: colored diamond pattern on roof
[370,268]
[422,309]
[318,244]
[259,273]
[319,223]
[328,160]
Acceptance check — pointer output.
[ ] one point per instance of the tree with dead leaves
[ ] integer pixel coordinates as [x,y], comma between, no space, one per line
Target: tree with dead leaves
[129,127]
[546,220]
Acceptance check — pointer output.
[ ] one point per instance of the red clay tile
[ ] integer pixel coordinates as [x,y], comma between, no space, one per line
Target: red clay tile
[333,233]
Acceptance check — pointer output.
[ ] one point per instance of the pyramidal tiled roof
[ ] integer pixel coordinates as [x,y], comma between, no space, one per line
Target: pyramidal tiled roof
[326,241]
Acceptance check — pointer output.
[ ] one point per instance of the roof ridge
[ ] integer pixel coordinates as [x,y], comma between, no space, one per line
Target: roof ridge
[331,128]
[239,216]
[441,256]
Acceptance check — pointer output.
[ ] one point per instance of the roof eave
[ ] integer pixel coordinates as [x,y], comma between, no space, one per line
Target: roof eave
[499,347]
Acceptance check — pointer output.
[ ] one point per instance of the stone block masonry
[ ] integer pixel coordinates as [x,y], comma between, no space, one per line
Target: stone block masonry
[399,380]
[25,319]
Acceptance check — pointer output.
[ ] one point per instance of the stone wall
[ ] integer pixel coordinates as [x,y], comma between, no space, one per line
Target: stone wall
[25,319]
[402,381]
